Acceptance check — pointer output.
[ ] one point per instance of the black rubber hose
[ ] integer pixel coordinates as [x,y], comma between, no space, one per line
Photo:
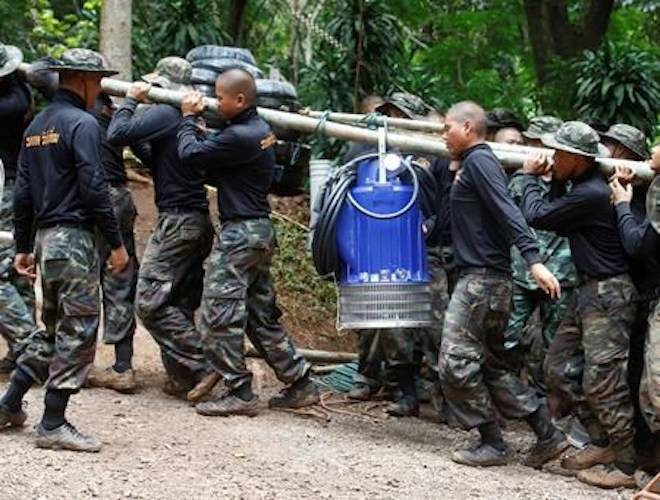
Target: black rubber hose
[324,247]
[331,199]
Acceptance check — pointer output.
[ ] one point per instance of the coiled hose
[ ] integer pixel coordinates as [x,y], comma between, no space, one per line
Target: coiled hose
[331,199]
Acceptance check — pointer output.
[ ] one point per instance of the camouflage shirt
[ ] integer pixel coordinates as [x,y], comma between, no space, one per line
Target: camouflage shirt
[555,251]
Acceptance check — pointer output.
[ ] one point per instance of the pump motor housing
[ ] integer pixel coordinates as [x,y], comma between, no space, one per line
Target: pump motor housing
[383,282]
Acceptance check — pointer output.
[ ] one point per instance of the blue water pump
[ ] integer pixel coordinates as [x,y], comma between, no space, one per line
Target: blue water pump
[380,259]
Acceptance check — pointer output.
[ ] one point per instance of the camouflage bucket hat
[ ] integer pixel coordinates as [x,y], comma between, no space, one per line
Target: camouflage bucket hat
[10,58]
[171,73]
[410,105]
[503,118]
[82,60]
[578,138]
[540,125]
[630,137]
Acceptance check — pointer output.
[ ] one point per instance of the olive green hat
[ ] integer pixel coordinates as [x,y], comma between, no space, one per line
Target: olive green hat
[82,60]
[630,137]
[578,138]
[410,105]
[172,73]
[540,125]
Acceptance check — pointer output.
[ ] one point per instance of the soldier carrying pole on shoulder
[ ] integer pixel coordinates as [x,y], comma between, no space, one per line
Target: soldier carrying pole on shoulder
[239,298]
[62,190]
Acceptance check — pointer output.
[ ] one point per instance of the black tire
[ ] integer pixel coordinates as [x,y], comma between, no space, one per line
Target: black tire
[286,134]
[222,65]
[203,76]
[292,167]
[280,103]
[207,90]
[276,88]
[43,79]
[220,52]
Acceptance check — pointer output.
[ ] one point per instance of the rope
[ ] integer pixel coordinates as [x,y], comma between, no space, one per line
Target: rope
[372,120]
[320,126]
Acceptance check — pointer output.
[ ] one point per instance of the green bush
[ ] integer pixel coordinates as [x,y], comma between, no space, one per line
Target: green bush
[618,84]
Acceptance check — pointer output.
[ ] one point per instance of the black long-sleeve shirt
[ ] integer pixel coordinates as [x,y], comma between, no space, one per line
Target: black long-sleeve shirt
[177,186]
[111,155]
[239,161]
[60,179]
[444,179]
[484,220]
[586,216]
[15,102]
[642,243]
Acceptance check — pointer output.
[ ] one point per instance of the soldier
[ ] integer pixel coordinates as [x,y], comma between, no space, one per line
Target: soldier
[501,118]
[627,142]
[527,297]
[509,135]
[16,292]
[171,275]
[61,189]
[239,298]
[474,375]
[118,290]
[642,243]
[603,306]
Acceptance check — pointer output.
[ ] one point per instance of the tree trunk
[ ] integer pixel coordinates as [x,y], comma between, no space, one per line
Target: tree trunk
[553,35]
[116,35]
[235,21]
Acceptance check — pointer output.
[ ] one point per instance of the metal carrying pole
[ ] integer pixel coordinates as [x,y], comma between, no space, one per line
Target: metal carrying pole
[510,155]
[379,120]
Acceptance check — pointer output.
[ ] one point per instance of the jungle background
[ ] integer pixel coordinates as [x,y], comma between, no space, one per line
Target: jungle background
[596,60]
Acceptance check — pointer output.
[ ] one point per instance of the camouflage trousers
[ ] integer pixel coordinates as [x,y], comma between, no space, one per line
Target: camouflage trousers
[530,339]
[61,355]
[649,391]
[16,292]
[119,289]
[587,362]
[370,358]
[239,300]
[407,346]
[169,290]
[475,374]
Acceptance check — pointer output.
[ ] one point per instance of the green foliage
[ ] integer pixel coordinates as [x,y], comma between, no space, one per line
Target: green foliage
[173,27]
[43,27]
[619,84]
[294,273]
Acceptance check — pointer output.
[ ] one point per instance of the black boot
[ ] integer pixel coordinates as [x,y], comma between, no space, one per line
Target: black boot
[298,395]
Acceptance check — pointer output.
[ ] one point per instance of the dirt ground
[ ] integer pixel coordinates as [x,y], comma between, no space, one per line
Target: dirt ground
[157,447]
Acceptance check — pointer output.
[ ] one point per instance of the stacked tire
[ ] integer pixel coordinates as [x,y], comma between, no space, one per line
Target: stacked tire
[292,156]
